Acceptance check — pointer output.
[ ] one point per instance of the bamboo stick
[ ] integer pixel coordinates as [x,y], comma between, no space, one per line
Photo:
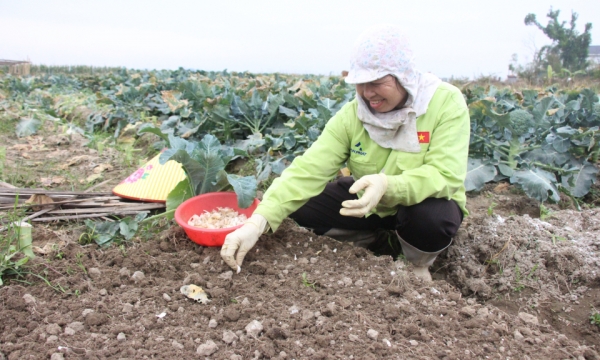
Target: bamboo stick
[101,210]
[34,215]
[100,198]
[11,200]
[21,195]
[108,204]
[73,205]
[52,192]
[64,202]
[86,216]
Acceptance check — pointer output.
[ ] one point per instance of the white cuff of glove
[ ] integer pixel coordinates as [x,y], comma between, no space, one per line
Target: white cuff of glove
[260,222]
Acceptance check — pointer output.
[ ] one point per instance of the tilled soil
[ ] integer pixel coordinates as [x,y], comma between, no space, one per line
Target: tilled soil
[509,287]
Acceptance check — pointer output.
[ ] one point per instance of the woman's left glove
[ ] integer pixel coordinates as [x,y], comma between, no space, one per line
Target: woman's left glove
[374,185]
[238,243]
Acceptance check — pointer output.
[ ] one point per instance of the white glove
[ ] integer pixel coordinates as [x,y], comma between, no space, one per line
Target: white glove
[374,186]
[242,240]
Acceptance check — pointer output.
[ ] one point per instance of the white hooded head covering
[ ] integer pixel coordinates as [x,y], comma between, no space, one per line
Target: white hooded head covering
[384,50]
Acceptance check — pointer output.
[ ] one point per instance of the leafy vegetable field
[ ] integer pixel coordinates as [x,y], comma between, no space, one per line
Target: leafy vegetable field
[545,142]
[521,279]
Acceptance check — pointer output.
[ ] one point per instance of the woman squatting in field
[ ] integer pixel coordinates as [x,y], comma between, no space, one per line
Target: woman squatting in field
[405,140]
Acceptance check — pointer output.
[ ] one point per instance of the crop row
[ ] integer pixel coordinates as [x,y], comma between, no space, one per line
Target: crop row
[545,141]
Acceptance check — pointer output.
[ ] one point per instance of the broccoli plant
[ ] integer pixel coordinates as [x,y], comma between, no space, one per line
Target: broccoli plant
[204,164]
[539,144]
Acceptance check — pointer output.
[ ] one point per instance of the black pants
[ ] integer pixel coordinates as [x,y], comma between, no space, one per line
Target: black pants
[429,226]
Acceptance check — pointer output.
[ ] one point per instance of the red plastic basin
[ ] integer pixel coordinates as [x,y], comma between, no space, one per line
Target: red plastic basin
[209,202]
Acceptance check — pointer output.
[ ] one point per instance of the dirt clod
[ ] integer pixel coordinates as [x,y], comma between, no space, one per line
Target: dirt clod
[96,319]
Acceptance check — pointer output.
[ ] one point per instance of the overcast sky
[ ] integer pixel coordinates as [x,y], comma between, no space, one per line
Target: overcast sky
[460,38]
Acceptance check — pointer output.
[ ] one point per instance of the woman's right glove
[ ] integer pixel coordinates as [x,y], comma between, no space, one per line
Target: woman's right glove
[374,185]
[242,240]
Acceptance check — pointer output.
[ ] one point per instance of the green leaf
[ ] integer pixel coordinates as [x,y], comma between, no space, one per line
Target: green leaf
[478,173]
[101,99]
[27,126]
[529,97]
[209,144]
[177,144]
[327,103]
[180,143]
[289,141]
[149,128]
[210,162]
[588,99]
[291,100]
[203,168]
[278,166]
[128,227]
[505,170]
[243,147]
[180,193]
[580,182]
[168,125]
[185,112]
[537,183]
[257,102]
[561,144]
[22,262]
[245,189]
[547,155]
[310,102]
[103,232]
[220,113]
[196,173]
[486,107]
[313,133]
[288,112]
[264,173]
[238,107]
[222,183]
[540,110]
[303,122]
[140,216]
[274,102]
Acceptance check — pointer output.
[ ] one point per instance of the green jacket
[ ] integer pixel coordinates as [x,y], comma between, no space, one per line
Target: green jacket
[438,171]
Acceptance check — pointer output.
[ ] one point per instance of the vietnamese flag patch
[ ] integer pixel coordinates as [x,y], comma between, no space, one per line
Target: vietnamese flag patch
[423,137]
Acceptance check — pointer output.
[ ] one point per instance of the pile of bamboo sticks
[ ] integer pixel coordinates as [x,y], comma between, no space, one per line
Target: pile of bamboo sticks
[48,205]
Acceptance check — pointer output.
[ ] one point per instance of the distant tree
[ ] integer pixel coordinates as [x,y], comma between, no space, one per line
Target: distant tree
[569,48]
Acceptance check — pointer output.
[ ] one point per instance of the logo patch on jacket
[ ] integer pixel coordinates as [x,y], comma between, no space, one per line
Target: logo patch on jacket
[358,149]
[423,137]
